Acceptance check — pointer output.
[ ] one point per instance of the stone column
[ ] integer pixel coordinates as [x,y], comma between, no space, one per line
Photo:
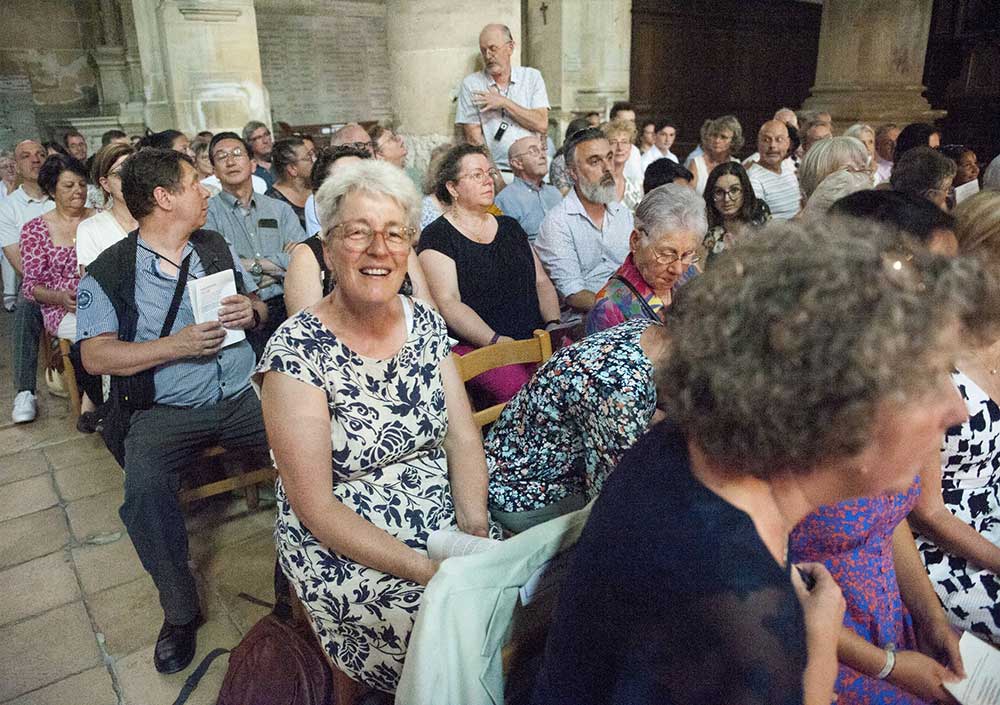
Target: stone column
[200,64]
[871,62]
[432,47]
[583,49]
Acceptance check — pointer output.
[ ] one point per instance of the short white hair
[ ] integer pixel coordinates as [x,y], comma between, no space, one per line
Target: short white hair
[370,175]
[828,156]
[858,129]
[670,208]
[831,189]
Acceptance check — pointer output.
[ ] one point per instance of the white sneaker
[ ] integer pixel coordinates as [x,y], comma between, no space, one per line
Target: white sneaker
[24,407]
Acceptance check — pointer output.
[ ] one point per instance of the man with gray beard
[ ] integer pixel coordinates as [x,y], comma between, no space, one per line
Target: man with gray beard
[585,238]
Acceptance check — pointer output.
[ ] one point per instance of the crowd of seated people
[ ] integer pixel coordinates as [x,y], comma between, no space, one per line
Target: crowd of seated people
[759,370]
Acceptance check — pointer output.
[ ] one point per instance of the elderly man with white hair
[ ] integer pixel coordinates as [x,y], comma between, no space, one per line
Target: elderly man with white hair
[502,103]
[670,223]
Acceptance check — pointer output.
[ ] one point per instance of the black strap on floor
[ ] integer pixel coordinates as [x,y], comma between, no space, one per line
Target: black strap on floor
[192,681]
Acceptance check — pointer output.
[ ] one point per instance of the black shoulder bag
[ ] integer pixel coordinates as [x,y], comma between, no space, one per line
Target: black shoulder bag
[137,392]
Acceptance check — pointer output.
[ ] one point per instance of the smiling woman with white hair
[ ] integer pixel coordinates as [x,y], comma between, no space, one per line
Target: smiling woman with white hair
[669,225]
[371,431]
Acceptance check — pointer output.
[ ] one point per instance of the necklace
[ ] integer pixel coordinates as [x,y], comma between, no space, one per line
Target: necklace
[985,362]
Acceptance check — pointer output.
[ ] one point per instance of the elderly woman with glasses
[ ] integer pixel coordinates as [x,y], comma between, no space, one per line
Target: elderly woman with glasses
[371,431]
[621,134]
[733,208]
[663,249]
[483,274]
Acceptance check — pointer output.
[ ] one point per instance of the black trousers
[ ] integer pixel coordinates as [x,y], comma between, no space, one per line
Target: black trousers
[161,442]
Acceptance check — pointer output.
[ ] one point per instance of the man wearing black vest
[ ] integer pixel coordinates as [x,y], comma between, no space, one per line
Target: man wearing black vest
[175,388]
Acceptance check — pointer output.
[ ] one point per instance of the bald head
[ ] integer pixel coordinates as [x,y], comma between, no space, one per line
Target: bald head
[352,135]
[29,156]
[772,144]
[787,116]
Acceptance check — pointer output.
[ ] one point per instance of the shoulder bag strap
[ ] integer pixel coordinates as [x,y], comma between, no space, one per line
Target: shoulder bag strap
[175,303]
[646,308]
[192,681]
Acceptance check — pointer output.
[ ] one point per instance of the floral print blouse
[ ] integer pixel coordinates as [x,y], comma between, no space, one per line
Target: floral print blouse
[564,432]
[616,302]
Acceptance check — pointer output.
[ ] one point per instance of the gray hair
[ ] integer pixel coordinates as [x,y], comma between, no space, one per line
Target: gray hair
[721,124]
[921,169]
[828,156]
[371,176]
[833,188]
[858,129]
[250,128]
[785,348]
[669,208]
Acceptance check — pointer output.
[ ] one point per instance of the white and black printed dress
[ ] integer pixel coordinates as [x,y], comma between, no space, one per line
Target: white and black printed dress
[387,426]
[970,481]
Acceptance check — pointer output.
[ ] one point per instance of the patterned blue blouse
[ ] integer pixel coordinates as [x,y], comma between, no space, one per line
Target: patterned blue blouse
[564,432]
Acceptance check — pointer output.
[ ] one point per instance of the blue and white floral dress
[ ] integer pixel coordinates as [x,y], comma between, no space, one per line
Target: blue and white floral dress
[387,426]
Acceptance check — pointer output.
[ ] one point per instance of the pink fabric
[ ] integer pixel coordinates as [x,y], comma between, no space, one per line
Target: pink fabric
[48,265]
[496,386]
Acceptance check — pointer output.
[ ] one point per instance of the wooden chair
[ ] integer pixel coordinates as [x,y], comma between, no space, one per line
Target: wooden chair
[536,349]
[247,479]
[55,357]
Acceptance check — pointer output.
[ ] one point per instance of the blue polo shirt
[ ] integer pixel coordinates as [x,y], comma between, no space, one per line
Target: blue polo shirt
[527,204]
[195,381]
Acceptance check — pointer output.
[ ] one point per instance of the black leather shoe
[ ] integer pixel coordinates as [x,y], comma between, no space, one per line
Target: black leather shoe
[176,644]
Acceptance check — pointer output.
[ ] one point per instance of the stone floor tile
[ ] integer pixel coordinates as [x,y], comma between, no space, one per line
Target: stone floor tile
[77,450]
[129,616]
[32,536]
[103,566]
[142,685]
[21,465]
[37,586]
[47,648]
[93,687]
[207,532]
[91,476]
[15,438]
[246,567]
[96,515]
[27,496]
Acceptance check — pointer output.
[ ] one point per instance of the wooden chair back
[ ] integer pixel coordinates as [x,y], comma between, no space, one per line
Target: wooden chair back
[535,349]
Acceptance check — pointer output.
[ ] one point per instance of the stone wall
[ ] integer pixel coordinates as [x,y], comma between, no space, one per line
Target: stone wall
[48,42]
[324,61]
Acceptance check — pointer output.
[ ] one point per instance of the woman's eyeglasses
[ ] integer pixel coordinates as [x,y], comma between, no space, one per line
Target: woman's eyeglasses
[733,192]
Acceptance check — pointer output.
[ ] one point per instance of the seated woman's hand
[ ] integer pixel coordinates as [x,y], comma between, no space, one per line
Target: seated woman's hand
[475,523]
[67,299]
[922,676]
[823,605]
[937,639]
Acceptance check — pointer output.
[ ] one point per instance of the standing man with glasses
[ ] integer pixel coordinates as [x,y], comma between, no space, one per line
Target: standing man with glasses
[258,137]
[261,229]
[528,198]
[585,238]
[502,103]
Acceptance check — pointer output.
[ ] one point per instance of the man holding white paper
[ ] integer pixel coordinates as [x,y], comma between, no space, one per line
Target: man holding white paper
[175,388]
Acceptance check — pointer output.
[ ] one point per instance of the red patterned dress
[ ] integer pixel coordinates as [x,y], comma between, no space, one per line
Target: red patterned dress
[46,264]
[854,540]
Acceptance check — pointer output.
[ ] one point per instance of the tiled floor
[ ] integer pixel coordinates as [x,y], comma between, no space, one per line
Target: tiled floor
[78,614]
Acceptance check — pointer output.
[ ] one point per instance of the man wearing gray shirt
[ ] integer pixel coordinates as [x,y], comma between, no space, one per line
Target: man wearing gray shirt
[261,229]
[585,238]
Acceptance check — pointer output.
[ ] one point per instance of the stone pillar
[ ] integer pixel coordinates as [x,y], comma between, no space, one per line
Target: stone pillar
[583,48]
[871,62]
[200,64]
[432,47]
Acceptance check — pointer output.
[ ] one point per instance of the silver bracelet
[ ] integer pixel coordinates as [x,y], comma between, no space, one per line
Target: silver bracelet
[890,662]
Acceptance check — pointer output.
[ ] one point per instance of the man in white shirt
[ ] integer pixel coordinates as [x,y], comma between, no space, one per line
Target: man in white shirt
[663,140]
[773,175]
[24,204]
[585,238]
[502,103]
[885,147]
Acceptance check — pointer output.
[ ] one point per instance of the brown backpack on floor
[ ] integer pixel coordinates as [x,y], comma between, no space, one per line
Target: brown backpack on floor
[277,663]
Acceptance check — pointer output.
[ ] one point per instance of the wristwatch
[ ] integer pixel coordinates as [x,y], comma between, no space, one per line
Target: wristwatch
[256,269]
